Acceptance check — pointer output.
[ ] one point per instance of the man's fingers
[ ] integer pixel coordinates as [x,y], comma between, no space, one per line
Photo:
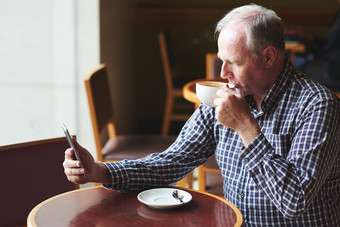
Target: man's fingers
[223,93]
[69,153]
[77,179]
[74,171]
[69,163]
[226,90]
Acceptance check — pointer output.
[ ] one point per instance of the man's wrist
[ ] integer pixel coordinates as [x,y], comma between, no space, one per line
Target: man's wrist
[103,175]
[249,132]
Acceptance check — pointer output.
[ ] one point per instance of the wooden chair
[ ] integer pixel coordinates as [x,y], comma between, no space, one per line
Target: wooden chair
[31,173]
[213,65]
[110,145]
[174,109]
[209,178]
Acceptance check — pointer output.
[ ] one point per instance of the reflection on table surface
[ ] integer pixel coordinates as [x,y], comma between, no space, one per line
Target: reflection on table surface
[97,206]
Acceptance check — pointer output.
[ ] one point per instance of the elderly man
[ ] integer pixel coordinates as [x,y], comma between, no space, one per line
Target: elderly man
[275,135]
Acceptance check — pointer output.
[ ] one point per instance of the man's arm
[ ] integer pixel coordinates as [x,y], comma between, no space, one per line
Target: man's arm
[194,145]
[292,182]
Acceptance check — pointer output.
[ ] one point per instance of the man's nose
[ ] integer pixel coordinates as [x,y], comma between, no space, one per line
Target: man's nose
[226,72]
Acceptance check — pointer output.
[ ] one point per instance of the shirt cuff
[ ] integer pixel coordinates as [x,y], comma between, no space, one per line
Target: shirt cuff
[118,174]
[256,152]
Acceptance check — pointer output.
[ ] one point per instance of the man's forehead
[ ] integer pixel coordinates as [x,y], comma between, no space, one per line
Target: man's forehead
[232,34]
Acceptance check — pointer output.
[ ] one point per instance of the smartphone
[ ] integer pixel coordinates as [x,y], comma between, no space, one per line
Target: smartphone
[70,142]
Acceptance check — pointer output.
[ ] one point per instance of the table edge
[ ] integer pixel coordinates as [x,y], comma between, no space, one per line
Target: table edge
[188,95]
[239,217]
[31,216]
[32,223]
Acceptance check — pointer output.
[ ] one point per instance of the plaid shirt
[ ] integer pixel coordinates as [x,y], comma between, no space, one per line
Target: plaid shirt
[288,176]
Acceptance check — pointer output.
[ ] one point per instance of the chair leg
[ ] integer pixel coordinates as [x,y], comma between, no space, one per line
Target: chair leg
[201,178]
[167,113]
[186,182]
[190,179]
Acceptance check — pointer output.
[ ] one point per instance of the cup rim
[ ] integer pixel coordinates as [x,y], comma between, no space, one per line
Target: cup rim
[218,82]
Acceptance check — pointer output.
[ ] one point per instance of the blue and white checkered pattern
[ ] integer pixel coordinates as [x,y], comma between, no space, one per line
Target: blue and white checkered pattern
[288,176]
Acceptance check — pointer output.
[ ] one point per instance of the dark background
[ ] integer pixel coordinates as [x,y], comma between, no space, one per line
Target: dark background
[129,46]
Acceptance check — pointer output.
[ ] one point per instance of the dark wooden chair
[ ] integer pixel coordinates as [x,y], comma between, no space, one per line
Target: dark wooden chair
[110,145]
[31,173]
[175,110]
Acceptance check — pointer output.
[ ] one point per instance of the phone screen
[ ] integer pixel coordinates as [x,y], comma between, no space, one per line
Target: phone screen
[70,142]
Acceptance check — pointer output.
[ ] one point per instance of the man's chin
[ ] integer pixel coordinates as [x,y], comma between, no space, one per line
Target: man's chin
[241,91]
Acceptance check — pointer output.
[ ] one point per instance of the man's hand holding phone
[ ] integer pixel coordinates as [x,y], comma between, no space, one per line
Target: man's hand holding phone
[76,155]
[84,170]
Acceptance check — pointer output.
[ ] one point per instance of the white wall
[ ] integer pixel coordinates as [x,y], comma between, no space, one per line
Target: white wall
[46,49]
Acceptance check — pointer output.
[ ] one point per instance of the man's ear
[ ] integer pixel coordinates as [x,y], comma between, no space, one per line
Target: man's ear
[269,55]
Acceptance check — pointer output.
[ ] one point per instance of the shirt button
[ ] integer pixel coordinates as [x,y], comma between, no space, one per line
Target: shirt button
[246,160]
[242,195]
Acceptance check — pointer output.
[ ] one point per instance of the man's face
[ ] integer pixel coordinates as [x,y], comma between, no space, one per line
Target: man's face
[245,71]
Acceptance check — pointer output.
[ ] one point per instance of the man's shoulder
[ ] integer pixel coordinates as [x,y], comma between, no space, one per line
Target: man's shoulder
[303,93]
[309,88]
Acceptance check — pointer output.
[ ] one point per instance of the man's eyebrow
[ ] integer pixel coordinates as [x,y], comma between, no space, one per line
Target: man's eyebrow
[219,57]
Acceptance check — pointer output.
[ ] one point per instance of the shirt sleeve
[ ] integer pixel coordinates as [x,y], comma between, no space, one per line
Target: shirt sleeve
[193,146]
[292,179]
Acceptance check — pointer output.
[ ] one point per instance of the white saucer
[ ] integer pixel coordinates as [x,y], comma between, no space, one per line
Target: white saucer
[162,198]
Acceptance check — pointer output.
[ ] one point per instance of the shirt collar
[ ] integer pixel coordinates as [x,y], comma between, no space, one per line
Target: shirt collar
[274,94]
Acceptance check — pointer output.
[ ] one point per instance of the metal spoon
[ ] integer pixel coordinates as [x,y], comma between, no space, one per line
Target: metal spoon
[176,195]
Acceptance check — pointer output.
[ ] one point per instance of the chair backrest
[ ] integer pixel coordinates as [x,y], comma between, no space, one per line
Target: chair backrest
[100,105]
[213,65]
[168,59]
[31,173]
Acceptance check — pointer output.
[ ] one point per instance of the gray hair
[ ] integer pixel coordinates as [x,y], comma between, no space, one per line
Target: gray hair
[263,27]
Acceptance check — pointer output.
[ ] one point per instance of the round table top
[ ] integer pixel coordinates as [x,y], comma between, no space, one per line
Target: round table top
[97,206]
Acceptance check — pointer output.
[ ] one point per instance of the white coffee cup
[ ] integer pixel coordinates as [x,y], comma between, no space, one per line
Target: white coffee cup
[206,91]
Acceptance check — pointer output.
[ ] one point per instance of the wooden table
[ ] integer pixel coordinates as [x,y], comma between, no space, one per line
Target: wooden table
[97,206]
